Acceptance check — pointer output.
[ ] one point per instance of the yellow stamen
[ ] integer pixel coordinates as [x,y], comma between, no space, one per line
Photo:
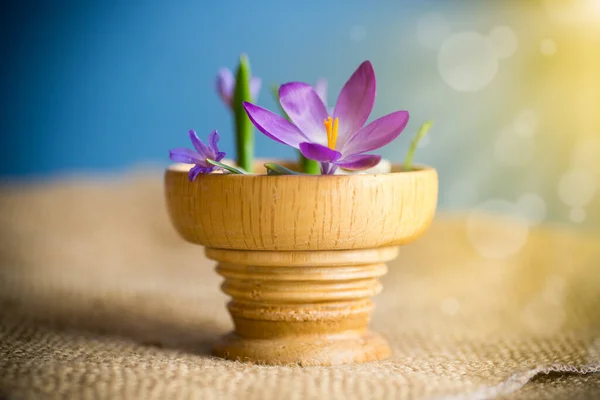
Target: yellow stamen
[334,133]
[331,127]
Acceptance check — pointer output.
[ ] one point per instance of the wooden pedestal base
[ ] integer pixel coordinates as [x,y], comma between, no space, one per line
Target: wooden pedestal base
[302,307]
[306,351]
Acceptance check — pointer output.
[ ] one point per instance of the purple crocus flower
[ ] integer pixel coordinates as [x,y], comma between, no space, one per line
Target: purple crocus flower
[340,140]
[198,157]
[226,86]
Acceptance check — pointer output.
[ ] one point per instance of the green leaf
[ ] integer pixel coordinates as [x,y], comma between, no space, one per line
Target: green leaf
[415,142]
[226,167]
[276,169]
[308,166]
[243,126]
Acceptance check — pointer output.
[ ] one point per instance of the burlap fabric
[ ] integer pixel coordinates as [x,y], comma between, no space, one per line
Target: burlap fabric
[101,299]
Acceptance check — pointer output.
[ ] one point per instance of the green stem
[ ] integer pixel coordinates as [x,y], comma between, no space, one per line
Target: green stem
[308,166]
[415,142]
[243,126]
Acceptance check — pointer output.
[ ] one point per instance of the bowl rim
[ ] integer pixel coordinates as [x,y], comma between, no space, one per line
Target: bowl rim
[180,168]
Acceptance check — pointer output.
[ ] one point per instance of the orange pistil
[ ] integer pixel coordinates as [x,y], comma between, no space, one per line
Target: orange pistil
[331,127]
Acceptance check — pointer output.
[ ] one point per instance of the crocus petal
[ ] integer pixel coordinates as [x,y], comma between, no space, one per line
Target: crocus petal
[225,84]
[213,142]
[321,89]
[359,162]
[377,134]
[199,145]
[317,152]
[355,102]
[306,110]
[185,156]
[274,126]
[194,172]
[220,155]
[255,84]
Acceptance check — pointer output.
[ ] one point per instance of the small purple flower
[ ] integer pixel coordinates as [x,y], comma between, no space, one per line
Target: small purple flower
[335,141]
[226,86]
[198,157]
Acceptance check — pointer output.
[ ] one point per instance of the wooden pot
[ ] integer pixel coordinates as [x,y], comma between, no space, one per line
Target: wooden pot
[302,255]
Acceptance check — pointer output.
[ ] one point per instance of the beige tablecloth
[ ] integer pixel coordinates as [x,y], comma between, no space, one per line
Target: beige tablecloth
[101,299]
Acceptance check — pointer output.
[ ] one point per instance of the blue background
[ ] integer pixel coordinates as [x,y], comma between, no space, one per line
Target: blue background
[101,85]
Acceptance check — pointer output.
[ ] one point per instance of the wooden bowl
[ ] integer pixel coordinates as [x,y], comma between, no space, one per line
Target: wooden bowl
[301,255]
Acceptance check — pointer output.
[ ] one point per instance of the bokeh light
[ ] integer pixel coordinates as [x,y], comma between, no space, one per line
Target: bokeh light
[505,41]
[548,47]
[467,61]
[532,207]
[577,187]
[577,215]
[526,123]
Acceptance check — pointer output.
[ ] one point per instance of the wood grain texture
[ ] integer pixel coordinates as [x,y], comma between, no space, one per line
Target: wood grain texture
[301,256]
[338,212]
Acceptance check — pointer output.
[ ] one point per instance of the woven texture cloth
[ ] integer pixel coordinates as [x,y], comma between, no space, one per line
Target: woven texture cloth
[101,299]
